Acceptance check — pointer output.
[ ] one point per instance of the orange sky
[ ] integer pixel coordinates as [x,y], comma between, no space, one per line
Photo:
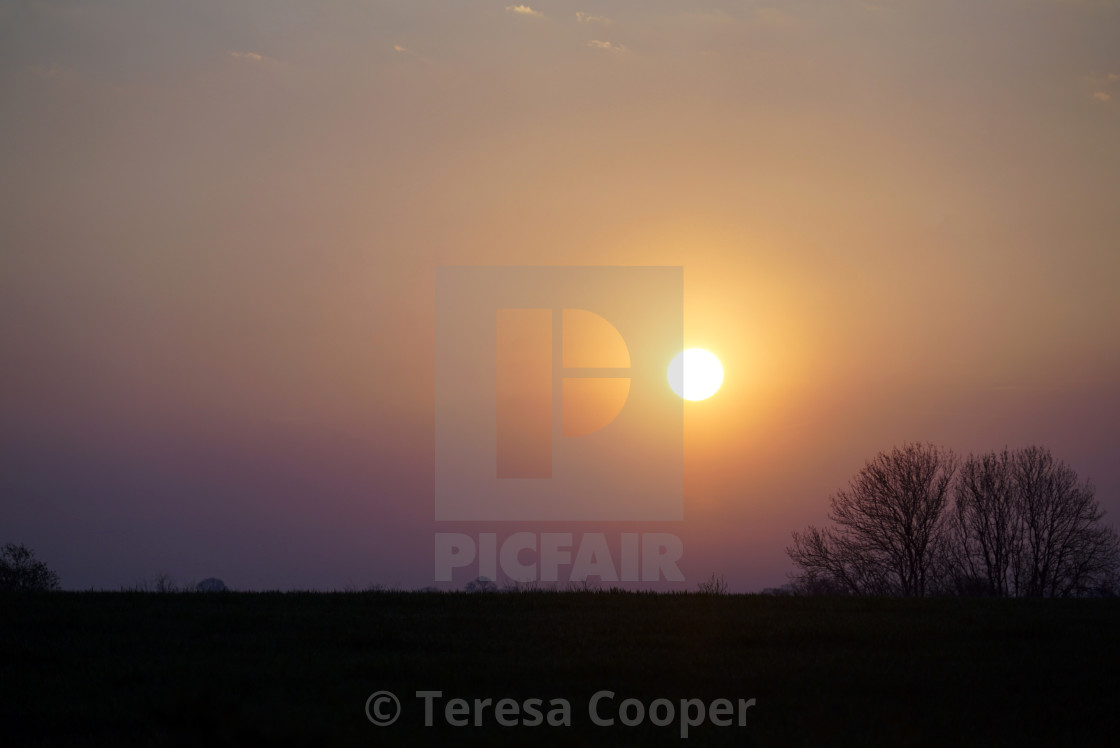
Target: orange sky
[220,227]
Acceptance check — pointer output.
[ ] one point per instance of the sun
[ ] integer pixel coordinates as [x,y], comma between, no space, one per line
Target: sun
[695,374]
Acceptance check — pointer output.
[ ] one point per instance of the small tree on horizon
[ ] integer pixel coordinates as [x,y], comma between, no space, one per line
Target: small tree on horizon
[481,584]
[21,572]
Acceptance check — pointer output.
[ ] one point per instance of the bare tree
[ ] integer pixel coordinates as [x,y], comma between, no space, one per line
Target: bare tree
[986,529]
[889,526]
[1065,548]
[21,572]
[1028,527]
[1021,524]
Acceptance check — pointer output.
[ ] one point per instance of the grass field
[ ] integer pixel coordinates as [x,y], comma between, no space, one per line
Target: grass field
[296,669]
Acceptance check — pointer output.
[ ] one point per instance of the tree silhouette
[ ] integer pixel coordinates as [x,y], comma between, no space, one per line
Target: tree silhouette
[1021,523]
[889,526]
[1026,524]
[20,572]
[986,535]
[1065,549]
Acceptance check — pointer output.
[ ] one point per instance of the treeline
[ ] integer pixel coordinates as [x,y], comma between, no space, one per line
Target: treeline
[920,521]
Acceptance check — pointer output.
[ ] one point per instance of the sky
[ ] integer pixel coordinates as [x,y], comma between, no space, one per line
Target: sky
[221,223]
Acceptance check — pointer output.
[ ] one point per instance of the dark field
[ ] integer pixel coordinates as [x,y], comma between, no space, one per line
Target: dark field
[296,669]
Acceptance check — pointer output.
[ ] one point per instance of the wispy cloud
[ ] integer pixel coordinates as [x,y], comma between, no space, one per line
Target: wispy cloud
[582,17]
[607,46]
[257,59]
[524,10]
[1102,86]
[250,56]
[409,52]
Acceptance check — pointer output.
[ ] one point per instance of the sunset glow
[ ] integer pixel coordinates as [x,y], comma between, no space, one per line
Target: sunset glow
[221,229]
